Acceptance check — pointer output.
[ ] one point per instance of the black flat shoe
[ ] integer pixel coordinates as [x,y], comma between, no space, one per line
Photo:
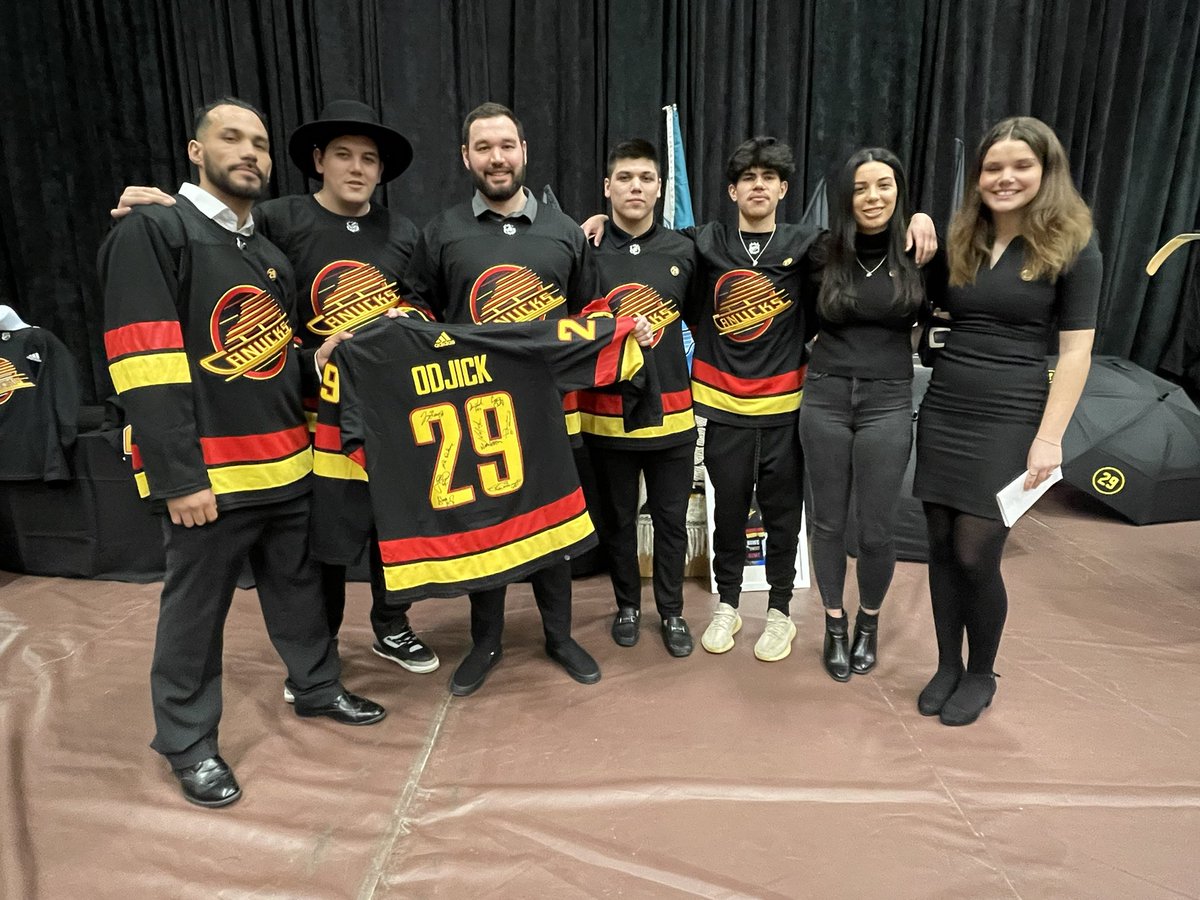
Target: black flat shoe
[577,661]
[866,643]
[836,653]
[972,696]
[676,636]
[209,782]
[935,694]
[473,671]
[626,626]
[346,708]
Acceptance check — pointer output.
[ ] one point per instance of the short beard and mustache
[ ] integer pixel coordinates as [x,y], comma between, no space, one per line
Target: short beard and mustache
[499,194]
[222,179]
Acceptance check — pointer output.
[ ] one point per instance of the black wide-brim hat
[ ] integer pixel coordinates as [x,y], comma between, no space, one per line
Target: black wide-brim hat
[342,117]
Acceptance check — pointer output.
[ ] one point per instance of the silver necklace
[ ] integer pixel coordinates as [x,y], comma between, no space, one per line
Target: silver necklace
[871,271]
[755,257]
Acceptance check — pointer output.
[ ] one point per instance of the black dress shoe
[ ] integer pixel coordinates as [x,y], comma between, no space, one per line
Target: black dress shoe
[473,671]
[347,708]
[972,696]
[836,653]
[626,626]
[676,636]
[866,642]
[577,661]
[935,694]
[209,782]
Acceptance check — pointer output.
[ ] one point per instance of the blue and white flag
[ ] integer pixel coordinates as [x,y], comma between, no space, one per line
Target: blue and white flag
[677,199]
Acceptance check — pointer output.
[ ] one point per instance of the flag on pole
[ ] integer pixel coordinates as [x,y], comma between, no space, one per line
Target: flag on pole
[677,199]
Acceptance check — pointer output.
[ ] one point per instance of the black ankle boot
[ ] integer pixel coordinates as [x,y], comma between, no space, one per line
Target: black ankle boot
[972,696]
[866,642]
[836,654]
[939,689]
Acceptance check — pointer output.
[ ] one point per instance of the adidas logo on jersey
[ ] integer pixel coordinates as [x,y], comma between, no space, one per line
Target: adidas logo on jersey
[444,340]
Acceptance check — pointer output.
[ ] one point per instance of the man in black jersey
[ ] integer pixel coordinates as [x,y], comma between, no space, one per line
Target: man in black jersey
[644,269]
[204,361]
[503,257]
[348,254]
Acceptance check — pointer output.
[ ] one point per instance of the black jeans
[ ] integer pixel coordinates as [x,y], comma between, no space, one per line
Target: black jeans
[856,432]
[768,463]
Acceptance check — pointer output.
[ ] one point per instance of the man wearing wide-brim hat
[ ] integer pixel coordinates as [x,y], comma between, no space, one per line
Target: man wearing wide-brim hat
[348,254]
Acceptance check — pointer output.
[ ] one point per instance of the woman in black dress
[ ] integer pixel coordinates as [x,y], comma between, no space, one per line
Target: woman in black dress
[1023,263]
[856,419]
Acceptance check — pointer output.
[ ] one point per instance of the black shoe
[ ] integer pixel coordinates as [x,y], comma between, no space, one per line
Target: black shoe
[407,650]
[836,654]
[346,708]
[866,642]
[473,671]
[577,661]
[972,696]
[676,636]
[209,782]
[938,691]
[626,626]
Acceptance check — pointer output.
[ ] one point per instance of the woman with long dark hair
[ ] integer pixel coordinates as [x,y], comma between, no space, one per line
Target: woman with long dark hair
[856,418]
[1023,263]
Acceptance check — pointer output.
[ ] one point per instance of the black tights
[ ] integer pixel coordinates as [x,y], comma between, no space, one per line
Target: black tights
[965,586]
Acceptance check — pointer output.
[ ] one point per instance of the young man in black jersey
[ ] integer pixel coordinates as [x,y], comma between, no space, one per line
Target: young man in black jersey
[348,255]
[211,383]
[644,269]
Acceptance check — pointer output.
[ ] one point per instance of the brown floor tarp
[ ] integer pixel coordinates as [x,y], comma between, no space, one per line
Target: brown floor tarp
[710,776]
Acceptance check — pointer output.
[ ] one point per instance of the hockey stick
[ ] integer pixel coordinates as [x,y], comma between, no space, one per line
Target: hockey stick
[1168,248]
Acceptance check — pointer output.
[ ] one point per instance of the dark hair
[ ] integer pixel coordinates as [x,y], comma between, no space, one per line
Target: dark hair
[634,148]
[200,117]
[490,110]
[837,299]
[764,152]
[1056,224]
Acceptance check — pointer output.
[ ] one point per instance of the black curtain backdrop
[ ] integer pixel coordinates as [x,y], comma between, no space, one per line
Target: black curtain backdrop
[99,94]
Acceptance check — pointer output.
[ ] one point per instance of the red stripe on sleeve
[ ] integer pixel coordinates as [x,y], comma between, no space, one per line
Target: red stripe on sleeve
[608,363]
[328,437]
[142,336]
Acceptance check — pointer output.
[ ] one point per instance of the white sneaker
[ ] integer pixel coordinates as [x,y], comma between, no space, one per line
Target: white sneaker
[718,636]
[776,640]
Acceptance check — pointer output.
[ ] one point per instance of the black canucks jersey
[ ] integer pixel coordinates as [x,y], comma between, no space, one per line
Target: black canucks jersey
[202,350]
[649,275]
[471,478]
[39,406]
[749,362]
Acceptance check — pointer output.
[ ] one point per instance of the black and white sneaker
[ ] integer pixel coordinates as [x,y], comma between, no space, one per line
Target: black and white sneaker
[406,649]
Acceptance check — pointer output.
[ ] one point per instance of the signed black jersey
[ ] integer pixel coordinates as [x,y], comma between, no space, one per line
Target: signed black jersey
[39,404]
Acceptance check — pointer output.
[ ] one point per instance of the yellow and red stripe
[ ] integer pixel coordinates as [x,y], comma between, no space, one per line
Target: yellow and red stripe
[774,394]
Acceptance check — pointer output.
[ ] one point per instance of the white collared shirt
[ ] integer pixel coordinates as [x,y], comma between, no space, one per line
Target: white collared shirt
[215,209]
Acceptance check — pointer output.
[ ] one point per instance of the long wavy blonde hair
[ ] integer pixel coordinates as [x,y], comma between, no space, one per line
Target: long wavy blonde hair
[1057,223]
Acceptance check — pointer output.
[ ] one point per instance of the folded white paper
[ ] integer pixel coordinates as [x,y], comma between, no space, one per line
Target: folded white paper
[1014,501]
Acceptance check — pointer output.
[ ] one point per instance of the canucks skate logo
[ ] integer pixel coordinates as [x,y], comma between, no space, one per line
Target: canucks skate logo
[744,304]
[635,299]
[508,293]
[249,333]
[11,380]
[348,293]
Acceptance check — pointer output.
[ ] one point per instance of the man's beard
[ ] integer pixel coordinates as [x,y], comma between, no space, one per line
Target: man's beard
[500,194]
[222,179]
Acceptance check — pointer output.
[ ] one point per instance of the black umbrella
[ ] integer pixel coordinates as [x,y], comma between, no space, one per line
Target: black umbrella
[1134,443]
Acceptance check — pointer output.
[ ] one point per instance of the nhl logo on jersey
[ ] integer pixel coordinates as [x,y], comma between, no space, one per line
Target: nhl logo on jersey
[509,228]
[635,249]
[754,249]
[352,227]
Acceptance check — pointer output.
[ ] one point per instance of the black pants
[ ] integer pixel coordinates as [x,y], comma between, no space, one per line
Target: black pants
[386,618]
[668,474]
[202,570]
[551,590]
[855,431]
[738,460]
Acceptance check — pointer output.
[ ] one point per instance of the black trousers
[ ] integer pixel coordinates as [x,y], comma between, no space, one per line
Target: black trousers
[386,618]
[855,431]
[202,570]
[551,590]
[739,459]
[668,474]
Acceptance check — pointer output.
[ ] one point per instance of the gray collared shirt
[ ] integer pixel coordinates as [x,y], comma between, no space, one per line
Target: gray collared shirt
[529,211]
